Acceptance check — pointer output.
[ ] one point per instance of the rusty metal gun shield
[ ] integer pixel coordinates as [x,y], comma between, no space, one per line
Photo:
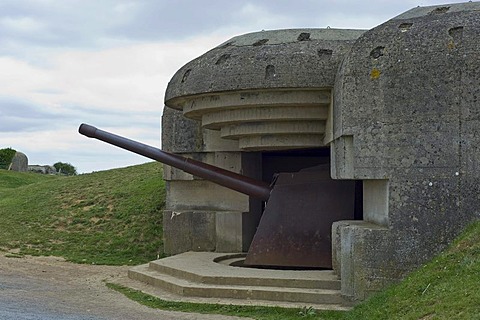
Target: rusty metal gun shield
[295,229]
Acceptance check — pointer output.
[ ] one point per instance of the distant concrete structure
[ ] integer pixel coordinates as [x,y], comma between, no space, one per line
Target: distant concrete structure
[19,162]
[44,169]
[394,108]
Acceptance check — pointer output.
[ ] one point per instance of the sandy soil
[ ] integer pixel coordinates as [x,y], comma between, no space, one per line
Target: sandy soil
[50,287]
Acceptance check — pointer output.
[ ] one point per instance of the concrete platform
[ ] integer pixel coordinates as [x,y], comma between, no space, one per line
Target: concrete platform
[209,277]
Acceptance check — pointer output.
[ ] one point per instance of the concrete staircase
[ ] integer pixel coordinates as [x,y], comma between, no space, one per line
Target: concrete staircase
[214,275]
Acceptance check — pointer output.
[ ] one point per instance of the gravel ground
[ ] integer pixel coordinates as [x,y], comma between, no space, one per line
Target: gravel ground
[40,288]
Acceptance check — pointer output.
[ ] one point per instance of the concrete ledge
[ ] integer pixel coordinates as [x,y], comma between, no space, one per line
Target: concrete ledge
[272,128]
[217,120]
[202,195]
[281,142]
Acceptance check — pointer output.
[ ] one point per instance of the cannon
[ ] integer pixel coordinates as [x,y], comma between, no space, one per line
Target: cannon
[229,179]
[300,207]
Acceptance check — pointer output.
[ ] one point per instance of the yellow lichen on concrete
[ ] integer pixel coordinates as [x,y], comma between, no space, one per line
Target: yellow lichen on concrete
[375,74]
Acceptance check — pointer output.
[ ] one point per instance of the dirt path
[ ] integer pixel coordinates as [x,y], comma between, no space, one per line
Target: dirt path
[51,288]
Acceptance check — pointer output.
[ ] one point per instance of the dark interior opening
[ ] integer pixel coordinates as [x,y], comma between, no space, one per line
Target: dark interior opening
[292,161]
[295,160]
[264,165]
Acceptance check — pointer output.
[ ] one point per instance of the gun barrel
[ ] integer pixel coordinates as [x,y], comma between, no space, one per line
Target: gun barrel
[229,179]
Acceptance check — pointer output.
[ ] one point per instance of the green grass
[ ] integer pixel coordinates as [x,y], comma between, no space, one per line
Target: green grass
[12,180]
[107,217]
[255,312]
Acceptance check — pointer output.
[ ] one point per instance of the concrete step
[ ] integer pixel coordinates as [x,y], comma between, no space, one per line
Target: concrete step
[270,293]
[209,275]
[206,272]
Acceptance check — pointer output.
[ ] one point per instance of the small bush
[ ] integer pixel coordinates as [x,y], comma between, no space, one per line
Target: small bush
[6,157]
[65,168]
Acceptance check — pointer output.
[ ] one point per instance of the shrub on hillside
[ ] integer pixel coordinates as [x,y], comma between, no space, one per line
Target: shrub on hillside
[65,168]
[6,157]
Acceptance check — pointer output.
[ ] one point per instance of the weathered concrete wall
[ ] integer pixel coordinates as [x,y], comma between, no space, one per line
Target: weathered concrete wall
[200,215]
[180,135]
[406,121]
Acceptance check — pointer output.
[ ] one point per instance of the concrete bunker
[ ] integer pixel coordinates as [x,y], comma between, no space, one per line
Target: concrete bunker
[396,109]
[396,105]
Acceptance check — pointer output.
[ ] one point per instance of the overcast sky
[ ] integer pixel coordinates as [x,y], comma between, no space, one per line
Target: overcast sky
[107,63]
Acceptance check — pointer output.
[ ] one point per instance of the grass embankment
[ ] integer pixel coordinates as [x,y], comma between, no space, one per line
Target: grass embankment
[108,217]
[114,217]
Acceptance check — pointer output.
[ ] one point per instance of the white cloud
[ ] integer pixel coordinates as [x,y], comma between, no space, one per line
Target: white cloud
[119,89]
[259,17]
[124,78]
[22,24]
[19,77]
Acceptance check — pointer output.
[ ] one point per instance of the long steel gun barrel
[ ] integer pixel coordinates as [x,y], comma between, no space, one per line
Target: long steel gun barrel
[229,179]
